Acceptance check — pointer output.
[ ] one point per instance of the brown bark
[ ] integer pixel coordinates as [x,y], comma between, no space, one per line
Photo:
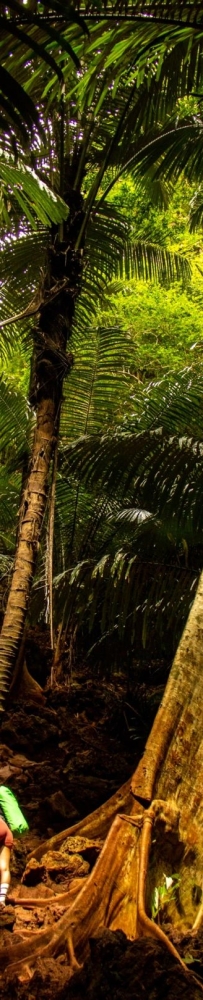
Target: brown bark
[32,514]
[131,863]
[50,364]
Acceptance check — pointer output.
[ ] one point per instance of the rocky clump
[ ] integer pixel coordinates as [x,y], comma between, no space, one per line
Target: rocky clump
[59,866]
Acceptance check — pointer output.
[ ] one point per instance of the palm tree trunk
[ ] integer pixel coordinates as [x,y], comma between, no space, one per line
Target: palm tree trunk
[50,364]
[31,519]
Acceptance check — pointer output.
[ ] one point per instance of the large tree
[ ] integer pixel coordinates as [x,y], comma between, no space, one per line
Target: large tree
[165,792]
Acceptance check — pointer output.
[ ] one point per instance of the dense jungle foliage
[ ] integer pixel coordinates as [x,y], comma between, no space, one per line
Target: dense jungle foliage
[128,520]
[119,549]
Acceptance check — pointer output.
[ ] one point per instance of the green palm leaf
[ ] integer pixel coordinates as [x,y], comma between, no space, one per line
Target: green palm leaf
[33,195]
[100,381]
[15,419]
[22,261]
[159,468]
[29,34]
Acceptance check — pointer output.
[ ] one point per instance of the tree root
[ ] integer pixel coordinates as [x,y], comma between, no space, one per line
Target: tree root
[94,904]
[61,897]
[147,925]
[169,814]
[113,895]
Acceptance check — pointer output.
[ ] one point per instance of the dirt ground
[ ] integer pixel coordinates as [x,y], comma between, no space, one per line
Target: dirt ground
[63,759]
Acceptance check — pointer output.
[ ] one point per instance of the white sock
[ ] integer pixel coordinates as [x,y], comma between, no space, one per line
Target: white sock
[3,891]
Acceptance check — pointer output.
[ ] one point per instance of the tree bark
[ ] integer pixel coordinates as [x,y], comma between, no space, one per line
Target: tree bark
[152,829]
[50,365]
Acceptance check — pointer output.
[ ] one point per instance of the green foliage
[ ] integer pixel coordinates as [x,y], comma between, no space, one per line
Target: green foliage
[164,343]
[23,263]
[140,547]
[127,536]
[33,195]
[164,893]
[26,40]
[101,382]
[164,323]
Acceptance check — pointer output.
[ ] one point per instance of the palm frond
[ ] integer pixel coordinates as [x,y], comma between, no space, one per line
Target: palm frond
[23,261]
[110,253]
[158,469]
[173,403]
[35,198]
[124,596]
[100,382]
[15,419]
[109,244]
[165,59]
[26,36]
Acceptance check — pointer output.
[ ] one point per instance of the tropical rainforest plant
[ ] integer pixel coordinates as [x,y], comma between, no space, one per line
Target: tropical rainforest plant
[102,116]
[161,62]
[137,541]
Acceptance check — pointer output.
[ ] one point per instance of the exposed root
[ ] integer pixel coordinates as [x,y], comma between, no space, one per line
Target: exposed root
[198,921]
[74,965]
[112,896]
[147,925]
[169,813]
[28,902]
[90,908]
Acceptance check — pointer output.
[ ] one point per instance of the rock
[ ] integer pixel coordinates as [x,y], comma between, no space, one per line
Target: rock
[59,806]
[89,849]
[5,773]
[34,872]
[64,864]
[57,864]
[19,760]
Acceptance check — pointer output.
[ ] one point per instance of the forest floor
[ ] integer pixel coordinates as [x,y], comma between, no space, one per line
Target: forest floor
[63,759]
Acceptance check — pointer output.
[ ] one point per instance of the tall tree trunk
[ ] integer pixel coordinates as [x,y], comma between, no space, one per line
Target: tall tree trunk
[50,365]
[152,829]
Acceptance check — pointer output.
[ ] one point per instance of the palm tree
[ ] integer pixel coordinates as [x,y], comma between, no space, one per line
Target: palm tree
[166,789]
[78,155]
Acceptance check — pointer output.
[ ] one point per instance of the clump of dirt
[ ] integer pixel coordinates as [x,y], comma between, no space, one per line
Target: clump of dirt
[115,968]
[65,758]
[125,969]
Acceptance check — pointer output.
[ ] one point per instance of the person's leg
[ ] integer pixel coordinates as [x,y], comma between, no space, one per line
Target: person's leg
[6,843]
[4,873]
